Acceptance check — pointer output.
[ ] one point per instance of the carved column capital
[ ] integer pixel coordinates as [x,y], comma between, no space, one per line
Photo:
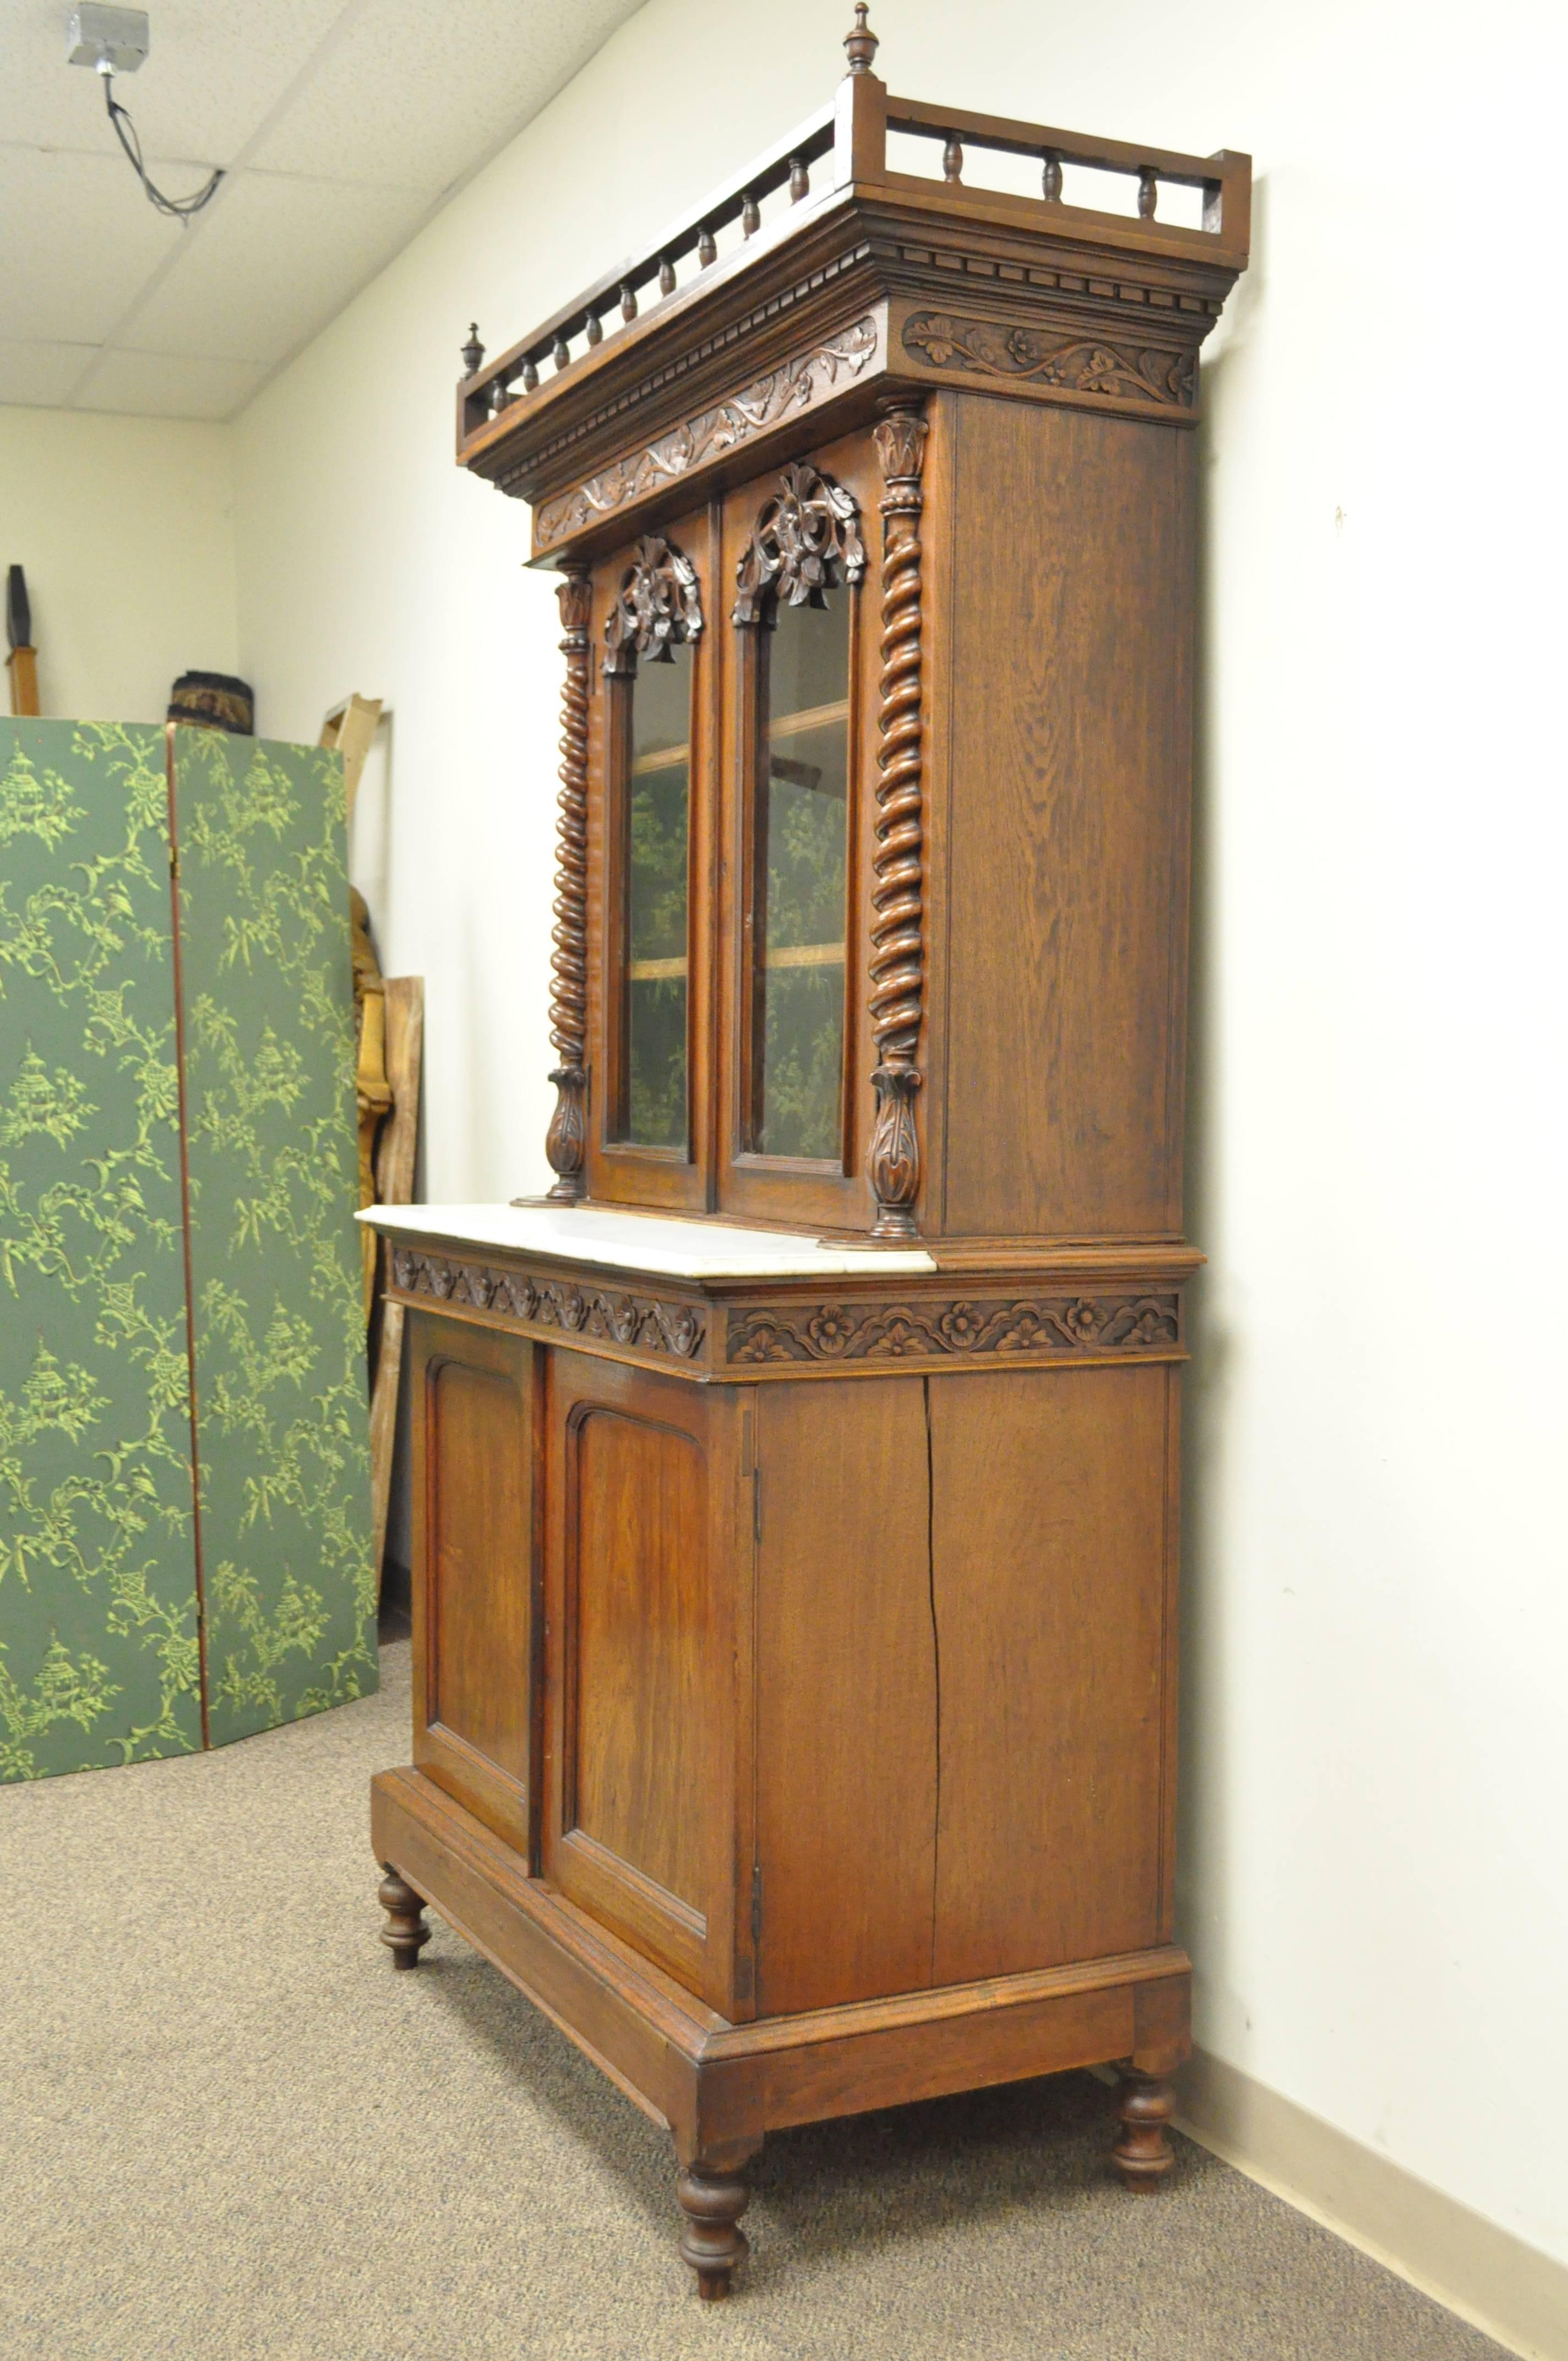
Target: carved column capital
[900,435]
[575,597]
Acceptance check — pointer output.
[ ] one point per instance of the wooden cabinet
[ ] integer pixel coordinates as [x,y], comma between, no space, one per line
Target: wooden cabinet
[797,1485]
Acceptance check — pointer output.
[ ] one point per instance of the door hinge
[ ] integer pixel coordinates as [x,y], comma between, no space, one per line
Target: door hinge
[756,1903]
[756,1504]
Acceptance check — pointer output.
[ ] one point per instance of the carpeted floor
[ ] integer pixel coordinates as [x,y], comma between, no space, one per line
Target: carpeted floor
[228,2130]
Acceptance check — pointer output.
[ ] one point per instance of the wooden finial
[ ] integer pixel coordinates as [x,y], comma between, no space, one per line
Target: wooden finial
[860,43]
[473,351]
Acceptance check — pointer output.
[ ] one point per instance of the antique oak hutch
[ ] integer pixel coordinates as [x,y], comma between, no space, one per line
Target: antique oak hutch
[796,1487]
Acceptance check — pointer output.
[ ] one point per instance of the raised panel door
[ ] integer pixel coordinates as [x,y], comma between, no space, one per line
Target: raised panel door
[641,1660]
[476,1727]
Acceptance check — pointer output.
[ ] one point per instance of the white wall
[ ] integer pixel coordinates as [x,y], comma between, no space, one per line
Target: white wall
[124,529]
[1377,1615]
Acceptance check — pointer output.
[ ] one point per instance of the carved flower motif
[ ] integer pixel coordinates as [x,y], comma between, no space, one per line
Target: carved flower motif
[1027,1329]
[960,1325]
[1082,1320]
[830,1331]
[762,1340]
[405,1267]
[568,1306]
[521,1294]
[902,1337]
[438,1276]
[1152,1326]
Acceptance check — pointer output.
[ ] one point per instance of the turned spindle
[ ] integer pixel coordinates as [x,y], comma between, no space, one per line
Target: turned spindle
[952,159]
[405,1933]
[712,2204]
[1149,191]
[799,179]
[1050,178]
[1145,2104]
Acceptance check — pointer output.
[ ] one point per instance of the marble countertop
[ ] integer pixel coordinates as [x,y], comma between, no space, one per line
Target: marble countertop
[651,1243]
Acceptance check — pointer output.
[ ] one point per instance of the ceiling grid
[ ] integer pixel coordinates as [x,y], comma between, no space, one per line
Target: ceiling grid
[341,125]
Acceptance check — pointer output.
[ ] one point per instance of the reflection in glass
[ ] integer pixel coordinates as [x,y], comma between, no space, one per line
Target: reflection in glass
[800,838]
[658,828]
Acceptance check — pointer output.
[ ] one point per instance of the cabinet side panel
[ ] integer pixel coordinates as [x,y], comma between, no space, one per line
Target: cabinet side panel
[1069,734]
[640,1635]
[1048,1551]
[847,1693]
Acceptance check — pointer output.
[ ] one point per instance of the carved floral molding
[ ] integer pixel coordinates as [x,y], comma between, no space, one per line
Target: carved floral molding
[628,1320]
[928,1329]
[1003,348]
[795,386]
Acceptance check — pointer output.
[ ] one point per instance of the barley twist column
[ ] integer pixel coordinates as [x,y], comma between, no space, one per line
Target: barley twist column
[564,1141]
[898,957]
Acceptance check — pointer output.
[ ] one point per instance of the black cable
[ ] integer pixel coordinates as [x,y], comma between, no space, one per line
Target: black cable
[177,208]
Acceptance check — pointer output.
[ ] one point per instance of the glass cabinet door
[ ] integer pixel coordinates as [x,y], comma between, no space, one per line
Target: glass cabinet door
[652,857]
[793,650]
[798,887]
[656,866]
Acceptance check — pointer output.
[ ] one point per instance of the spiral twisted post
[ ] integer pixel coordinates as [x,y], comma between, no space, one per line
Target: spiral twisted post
[566,1140]
[898,954]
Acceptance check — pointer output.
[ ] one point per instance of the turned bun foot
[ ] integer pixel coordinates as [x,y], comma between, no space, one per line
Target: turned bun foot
[405,1933]
[1141,2156]
[713,2203]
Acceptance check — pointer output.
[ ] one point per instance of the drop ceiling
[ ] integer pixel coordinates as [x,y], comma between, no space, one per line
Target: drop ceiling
[342,126]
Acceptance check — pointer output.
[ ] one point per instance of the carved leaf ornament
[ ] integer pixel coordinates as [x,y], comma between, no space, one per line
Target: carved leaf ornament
[1078,364]
[627,1320]
[656,607]
[806,541]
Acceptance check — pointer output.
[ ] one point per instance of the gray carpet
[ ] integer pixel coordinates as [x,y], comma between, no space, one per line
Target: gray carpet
[228,2129]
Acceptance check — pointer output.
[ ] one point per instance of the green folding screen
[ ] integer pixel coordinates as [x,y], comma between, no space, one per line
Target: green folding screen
[176,1247]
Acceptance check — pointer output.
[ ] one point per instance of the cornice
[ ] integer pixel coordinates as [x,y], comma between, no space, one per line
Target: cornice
[859,253]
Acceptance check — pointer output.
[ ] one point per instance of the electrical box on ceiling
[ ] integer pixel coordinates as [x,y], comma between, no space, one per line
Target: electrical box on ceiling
[114,40]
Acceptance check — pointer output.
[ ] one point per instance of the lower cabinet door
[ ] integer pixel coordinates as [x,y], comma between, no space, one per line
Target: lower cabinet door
[475,1424]
[644,1536]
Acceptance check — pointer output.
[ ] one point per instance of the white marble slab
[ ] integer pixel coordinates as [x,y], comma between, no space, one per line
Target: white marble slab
[645,1242]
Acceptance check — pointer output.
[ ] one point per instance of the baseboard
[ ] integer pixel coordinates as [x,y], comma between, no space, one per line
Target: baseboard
[1511,2291]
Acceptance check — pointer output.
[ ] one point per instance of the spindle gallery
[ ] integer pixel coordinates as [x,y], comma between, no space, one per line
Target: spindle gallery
[794,1486]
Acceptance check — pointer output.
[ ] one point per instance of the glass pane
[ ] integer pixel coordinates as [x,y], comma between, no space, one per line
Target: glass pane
[802,843]
[657,839]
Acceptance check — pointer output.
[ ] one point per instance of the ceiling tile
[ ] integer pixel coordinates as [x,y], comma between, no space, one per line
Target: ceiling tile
[214,71]
[417,95]
[80,241]
[168,385]
[274,260]
[41,373]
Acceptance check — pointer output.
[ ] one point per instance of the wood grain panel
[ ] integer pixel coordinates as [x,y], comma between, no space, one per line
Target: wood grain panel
[1049,1542]
[1067,717]
[847,1695]
[479,1562]
[640,1645]
[475,1724]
